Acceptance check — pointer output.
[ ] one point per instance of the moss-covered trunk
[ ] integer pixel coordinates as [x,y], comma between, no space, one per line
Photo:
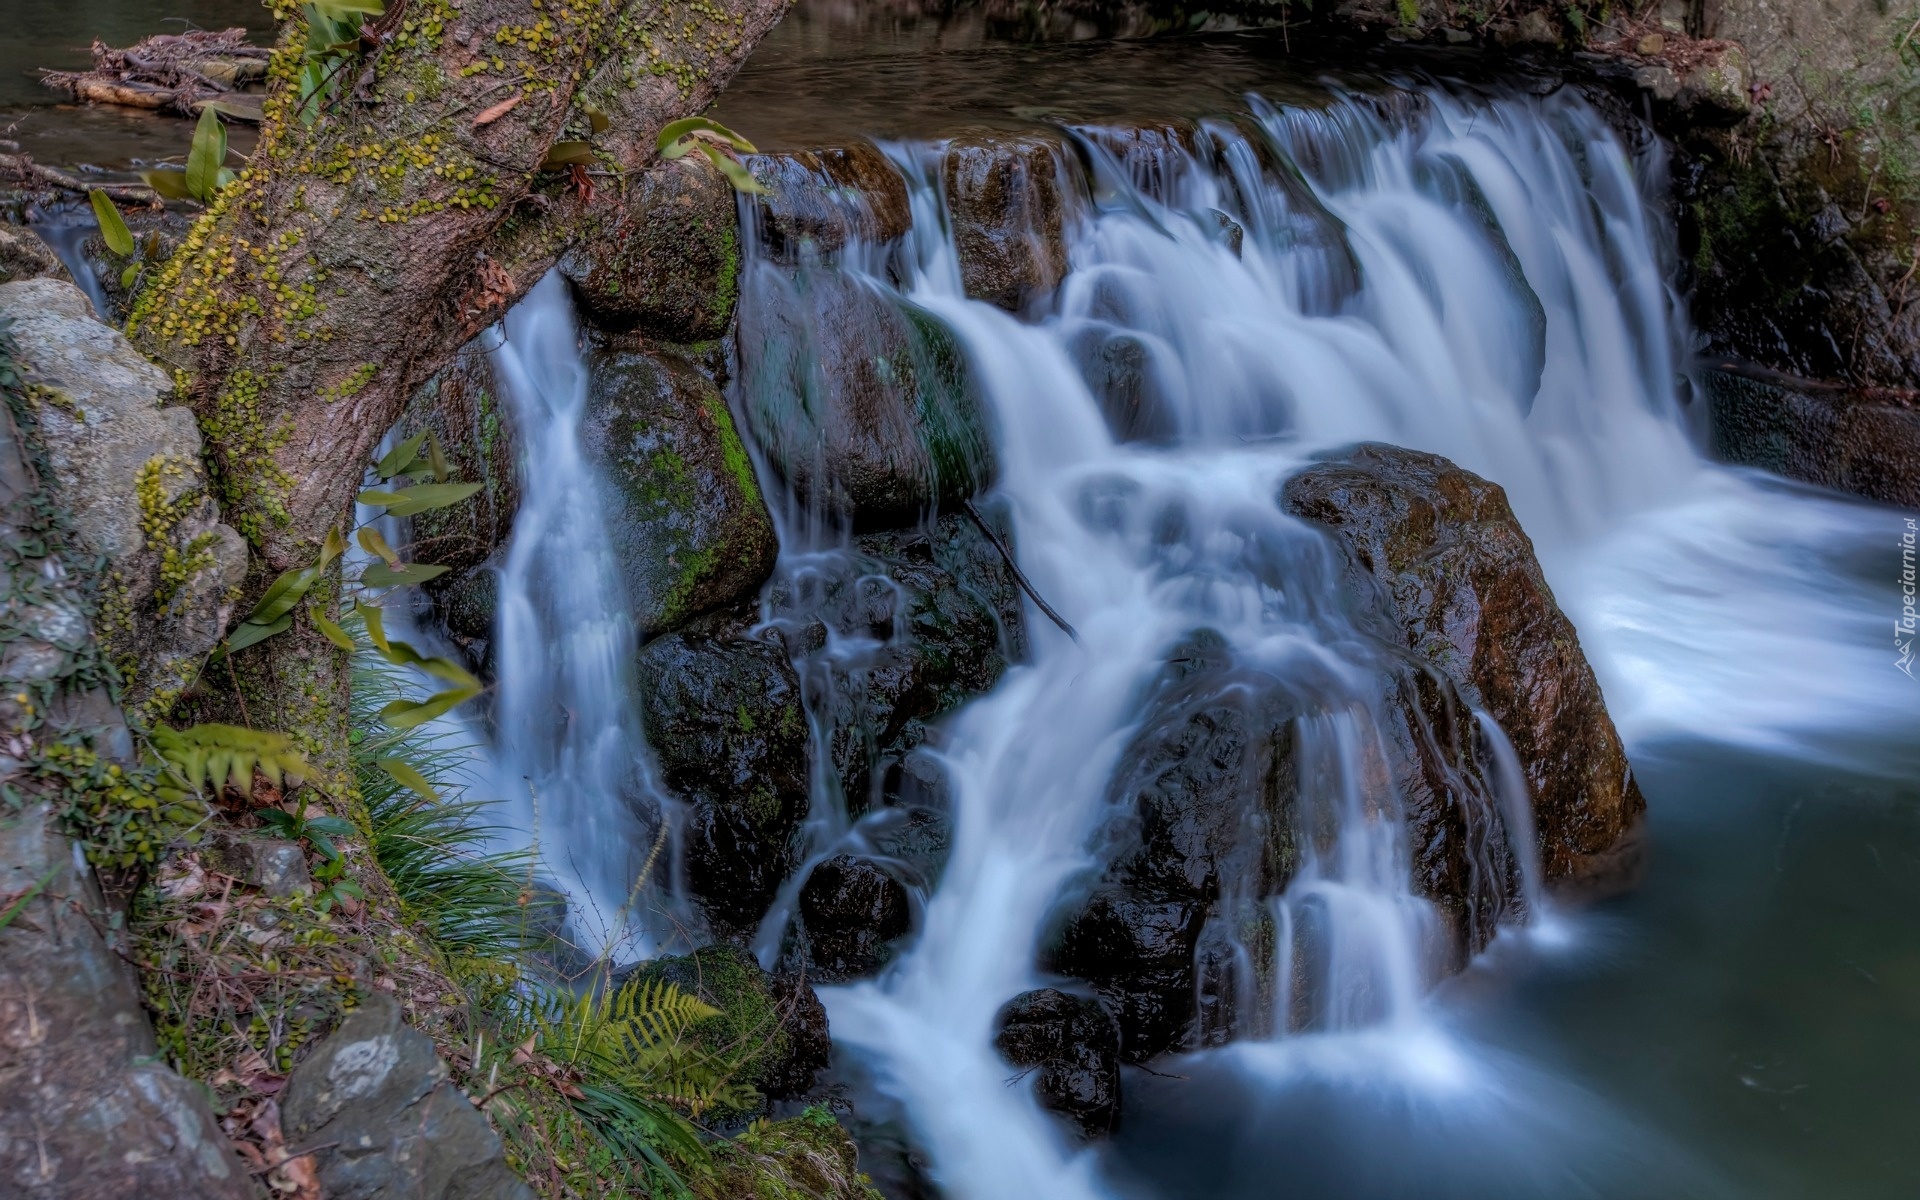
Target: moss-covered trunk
[378,229]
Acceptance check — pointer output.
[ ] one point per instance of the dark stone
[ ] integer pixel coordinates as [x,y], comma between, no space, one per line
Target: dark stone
[818,201]
[1007,196]
[724,719]
[462,406]
[88,1110]
[1464,589]
[1074,1044]
[397,1125]
[1848,439]
[690,532]
[926,620]
[852,912]
[671,267]
[860,399]
[772,1029]
[1119,369]
[25,256]
[276,867]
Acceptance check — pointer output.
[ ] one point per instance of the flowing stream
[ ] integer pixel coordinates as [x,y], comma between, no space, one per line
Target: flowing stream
[1485,277]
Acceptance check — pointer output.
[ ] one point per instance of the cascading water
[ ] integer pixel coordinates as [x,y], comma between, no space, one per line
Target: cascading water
[569,754]
[1475,277]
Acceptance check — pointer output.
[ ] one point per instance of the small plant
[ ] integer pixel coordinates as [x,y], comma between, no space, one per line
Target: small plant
[207,172]
[721,145]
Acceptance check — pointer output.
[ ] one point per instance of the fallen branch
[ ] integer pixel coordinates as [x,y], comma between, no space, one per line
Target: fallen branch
[22,167]
[177,72]
[1018,578]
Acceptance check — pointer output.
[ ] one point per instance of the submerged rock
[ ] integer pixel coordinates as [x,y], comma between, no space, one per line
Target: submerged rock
[671,267]
[128,472]
[852,912]
[772,1029]
[1073,1045]
[860,399]
[724,719]
[1008,197]
[1463,586]
[378,1100]
[690,531]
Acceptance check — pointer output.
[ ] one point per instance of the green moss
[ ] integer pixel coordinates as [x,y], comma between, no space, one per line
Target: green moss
[733,452]
[809,1157]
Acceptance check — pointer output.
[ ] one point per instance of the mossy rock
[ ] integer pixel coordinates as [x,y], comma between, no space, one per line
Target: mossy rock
[690,529]
[771,1032]
[809,1157]
[671,268]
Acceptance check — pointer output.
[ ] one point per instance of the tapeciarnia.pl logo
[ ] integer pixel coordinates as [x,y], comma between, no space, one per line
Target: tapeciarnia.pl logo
[1903,628]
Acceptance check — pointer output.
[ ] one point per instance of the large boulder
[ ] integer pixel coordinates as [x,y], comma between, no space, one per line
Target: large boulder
[1205,824]
[771,1033]
[724,718]
[1466,593]
[860,399]
[671,267]
[88,1109]
[127,470]
[690,530]
[1073,1045]
[1008,198]
[391,1122]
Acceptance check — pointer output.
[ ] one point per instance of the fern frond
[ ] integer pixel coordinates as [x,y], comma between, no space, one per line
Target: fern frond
[215,757]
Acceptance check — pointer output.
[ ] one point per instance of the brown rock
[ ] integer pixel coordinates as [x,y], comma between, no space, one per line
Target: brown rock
[1832,437]
[819,200]
[671,269]
[1008,198]
[1462,580]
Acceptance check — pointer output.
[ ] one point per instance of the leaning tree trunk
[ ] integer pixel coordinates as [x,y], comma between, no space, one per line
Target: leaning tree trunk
[373,235]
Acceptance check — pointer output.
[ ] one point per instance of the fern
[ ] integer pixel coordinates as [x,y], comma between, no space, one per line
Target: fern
[215,757]
[638,1037]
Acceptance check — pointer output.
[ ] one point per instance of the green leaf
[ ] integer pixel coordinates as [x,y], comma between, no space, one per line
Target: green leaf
[420,498]
[437,459]
[207,155]
[341,10]
[397,460]
[223,178]
[596,118]
[167,183]
[406,776]
[372,541]
[405,575]
[251,632]
[129,275]
[737,175]
[675,130]
[328,629]
[567,154]
[405,714]
[113,226]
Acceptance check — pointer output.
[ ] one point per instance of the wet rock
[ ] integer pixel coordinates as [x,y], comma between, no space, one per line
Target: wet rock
[1008,197]
[671,267]
[24,256]
[1073,1045]
[922,622]
[724,719]
[1207,822]
[128,471]
[1119,369]
[772,1029]
[276,867]
[1831,437]
[88,1111]
[819,201]
[852,912]
[1465,589]
[809,1155]
[398,1125]
[861,400]
[690,532]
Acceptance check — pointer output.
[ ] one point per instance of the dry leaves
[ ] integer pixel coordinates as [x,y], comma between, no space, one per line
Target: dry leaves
[499,110]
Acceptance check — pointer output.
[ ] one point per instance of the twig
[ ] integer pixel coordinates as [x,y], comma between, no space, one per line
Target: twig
[1013,566]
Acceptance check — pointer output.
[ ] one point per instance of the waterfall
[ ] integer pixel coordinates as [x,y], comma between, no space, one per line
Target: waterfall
[1480,277]
[569,753]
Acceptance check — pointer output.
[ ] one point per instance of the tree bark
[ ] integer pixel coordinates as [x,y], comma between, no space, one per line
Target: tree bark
[369,238]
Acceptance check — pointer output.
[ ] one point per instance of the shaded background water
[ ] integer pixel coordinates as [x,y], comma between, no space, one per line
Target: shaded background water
[1746,1023]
